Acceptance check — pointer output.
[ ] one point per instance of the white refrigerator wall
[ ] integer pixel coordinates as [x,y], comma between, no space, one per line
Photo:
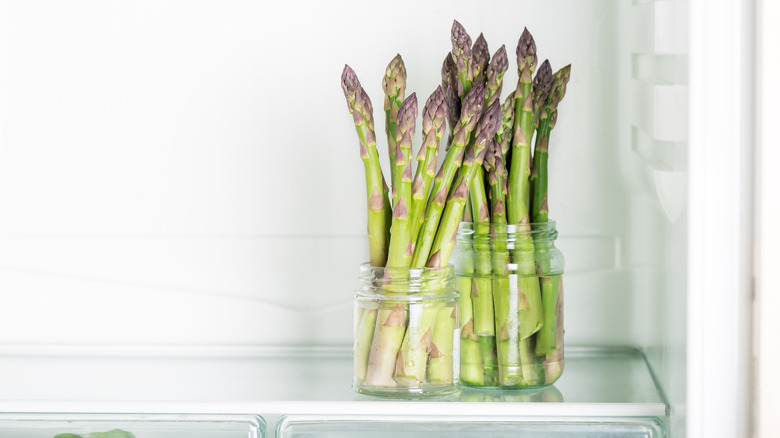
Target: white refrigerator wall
[187,173]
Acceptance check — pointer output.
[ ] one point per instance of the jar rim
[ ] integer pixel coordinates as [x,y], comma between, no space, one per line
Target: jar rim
[466,229]
[413,273]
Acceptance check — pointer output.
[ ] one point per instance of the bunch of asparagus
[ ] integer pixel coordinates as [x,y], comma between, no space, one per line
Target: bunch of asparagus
[501,346]
[415,224]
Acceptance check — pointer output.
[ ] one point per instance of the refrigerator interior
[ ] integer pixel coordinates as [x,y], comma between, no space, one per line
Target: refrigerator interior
[184,177]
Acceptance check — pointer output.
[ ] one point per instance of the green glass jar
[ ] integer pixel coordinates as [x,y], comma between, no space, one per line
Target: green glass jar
[510,281]
[406,331]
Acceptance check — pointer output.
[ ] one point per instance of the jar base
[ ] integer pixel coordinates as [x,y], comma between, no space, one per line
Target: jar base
[401,392]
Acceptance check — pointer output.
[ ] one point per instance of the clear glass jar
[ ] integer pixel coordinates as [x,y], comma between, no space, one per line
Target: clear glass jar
[406,331]
[509,278]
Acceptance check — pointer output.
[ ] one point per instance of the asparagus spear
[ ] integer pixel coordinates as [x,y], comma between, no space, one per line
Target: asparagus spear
[394,86]
[507,339]
[433,123]
[379,212]
[411,363]
[472,107]
[449,83]
[480,57]
[529,299]
[504,133]
[389,332]
[495,74]
[440,366]
[482,290]
[400,254]
[547,340]
[484,324]
[471,365]
[461,52]
[453,113]
[521,136]
[542,84]
[449,75]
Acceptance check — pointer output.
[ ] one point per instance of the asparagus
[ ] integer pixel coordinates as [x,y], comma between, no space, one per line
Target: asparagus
[521,135]
[483,286]
[480,57]
[400,254]
[394,86]
[461,52]
[553,361]
[543,82]
[379,212]
[504,133]
[389,335]
[493,78]
[411,362]
[449,83]
[471,365]
[529,299]
[439,367]
[495,74]
[472,107]
[449,75]
[482,291]
[433,123]
[547,341]
[504,301]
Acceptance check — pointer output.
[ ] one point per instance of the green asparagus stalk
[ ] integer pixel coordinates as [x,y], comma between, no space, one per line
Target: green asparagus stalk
[388,335]
[412,358]
[521,152]
[389,332]
[433,124]
[471,366]
[482,294]
[547,340]
[364,336]
[494,79]
[504,133]
[394,86]
[542,85]
[400,254]
[484,324]
[553,361]
[482,291]
[379,212]
[480,56]
[440,367]
[461,52]
[507,339]
[449,83]
[472,107]
[529,298]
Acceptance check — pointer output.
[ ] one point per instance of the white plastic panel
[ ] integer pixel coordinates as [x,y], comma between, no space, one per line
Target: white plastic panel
[323,427]
[131,426]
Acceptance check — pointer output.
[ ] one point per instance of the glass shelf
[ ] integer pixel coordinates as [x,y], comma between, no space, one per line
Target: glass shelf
[291,381]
